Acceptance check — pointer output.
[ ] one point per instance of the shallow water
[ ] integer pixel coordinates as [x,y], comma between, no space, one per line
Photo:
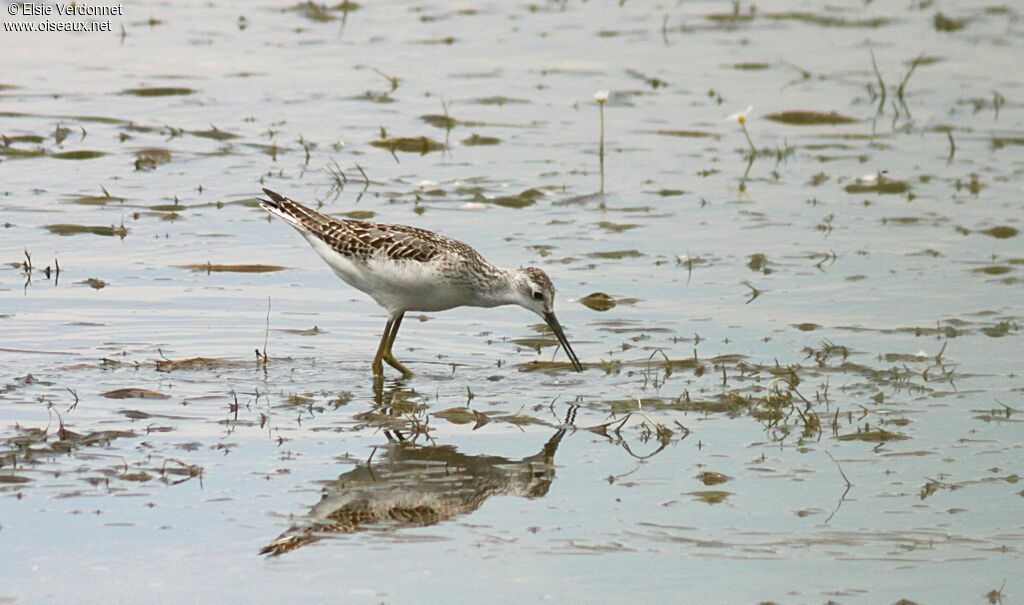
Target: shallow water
[840,304]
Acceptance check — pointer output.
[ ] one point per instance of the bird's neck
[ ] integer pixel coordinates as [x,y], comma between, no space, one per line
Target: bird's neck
[499,288]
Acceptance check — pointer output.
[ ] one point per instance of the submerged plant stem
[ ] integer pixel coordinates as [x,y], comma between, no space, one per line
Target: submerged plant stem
[746,133]
[600,148]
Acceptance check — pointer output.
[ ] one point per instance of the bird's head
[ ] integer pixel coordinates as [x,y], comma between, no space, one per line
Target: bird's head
[534,291]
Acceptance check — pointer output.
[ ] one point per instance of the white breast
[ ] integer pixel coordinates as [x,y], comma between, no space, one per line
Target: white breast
[398,286]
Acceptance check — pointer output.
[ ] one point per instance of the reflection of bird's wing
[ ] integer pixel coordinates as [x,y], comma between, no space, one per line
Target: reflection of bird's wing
[416,487]
[358,516]
[388,496]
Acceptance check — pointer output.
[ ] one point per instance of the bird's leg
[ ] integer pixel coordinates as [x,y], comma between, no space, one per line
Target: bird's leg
[388,357]
[378,367]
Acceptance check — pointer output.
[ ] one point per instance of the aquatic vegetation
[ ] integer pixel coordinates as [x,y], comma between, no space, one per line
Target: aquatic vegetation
[710,496]
[158,91]
[601,97]
[476,139]
[598,301]
[420,145]
[741,119]
[65,229]
[81,154]
[149,159]
[616,254]
[226,268]
[809,118]
[948,24]
[1001,232]
[134,393]
[802,346]
[878,183]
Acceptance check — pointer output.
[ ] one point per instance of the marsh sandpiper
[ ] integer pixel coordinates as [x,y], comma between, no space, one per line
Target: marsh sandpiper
[409,269]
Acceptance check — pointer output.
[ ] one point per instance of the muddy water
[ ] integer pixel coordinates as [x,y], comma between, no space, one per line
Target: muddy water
[810,377]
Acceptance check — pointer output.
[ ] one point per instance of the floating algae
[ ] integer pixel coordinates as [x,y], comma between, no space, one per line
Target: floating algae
[69,229]
[801,117]
[134,393]
[157,92]
[222,268]
[598,301]
[420,145]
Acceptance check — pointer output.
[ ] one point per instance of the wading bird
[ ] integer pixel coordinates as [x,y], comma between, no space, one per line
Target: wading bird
[408,269]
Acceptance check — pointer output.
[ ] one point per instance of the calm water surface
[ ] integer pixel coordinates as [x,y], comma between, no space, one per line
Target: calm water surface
[808,390]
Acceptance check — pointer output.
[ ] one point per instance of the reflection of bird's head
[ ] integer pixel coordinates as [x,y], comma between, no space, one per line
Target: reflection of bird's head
[538,471]
[538,489]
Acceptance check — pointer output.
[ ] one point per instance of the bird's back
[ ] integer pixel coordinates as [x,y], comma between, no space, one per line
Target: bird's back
[398,265]
[361,239]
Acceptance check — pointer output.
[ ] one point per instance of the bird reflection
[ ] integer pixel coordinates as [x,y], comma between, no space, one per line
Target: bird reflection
[408,485]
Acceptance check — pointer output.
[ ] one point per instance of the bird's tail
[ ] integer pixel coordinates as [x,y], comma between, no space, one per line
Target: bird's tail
[292,212]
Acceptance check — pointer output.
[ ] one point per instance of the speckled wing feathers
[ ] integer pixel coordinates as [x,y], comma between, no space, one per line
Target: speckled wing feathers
[362,239]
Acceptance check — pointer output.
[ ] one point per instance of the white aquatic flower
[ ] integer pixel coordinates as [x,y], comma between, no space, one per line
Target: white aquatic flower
[474,206]
[873,177]
[601,96]
[427,185]
[921,355]
[741,117]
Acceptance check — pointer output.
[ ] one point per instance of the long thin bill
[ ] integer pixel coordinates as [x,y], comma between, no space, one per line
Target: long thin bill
[562,340]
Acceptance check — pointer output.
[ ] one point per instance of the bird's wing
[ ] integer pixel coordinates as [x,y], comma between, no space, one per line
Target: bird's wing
[362,239]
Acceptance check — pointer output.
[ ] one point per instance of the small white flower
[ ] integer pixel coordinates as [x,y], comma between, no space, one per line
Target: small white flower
[601,96]
[869,179]
[921,355]
[474,206]
[741,117]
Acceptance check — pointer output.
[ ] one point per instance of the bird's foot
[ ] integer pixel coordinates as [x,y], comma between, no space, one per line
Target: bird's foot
[398,365]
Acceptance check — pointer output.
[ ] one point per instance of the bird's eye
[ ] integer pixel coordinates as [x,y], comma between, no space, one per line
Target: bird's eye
[538,295]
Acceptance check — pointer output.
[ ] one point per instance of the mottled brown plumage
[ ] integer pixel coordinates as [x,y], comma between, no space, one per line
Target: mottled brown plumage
[362,239]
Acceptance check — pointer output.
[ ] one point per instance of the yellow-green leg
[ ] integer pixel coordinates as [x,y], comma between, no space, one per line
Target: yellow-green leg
[378,367]
[387,356]
[387,340]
